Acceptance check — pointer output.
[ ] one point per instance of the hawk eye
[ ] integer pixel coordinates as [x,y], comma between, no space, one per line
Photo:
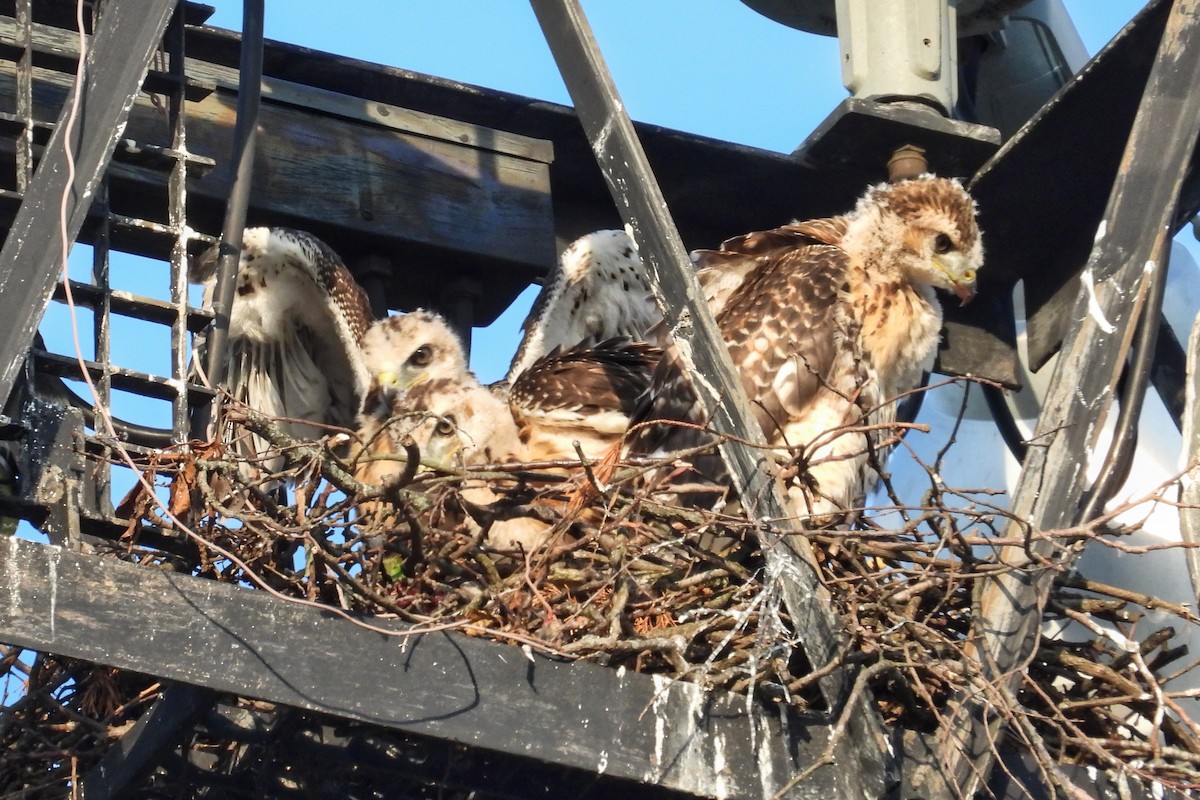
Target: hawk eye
[445,426]
[942,244]
[422,356]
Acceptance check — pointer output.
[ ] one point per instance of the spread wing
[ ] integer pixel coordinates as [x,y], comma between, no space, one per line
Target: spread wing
[295,323]
[598,291]
[584,394]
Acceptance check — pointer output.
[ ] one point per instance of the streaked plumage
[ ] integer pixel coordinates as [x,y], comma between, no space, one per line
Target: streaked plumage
[295,323]
[827,321]
[598,291]
[584,394]
[408,349]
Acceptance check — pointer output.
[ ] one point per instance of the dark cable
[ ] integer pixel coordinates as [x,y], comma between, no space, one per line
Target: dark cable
[249,88]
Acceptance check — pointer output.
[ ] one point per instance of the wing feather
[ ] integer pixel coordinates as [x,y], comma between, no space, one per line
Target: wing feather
[294,328]
[598,291]
[585,394]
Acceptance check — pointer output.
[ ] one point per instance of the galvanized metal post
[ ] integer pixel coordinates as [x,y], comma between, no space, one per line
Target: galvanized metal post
[1189,493]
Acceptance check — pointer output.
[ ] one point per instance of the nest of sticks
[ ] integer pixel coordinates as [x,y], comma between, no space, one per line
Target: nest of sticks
[627,580]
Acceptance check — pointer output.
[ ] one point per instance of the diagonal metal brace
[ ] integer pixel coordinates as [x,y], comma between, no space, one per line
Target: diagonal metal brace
[127,35]
[640,201]
[1130,253]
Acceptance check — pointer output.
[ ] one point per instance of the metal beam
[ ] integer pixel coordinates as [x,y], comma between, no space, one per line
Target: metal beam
[1130,252]
[75,159]
[1189,492]
[642,206]
[141,748]
[460,689]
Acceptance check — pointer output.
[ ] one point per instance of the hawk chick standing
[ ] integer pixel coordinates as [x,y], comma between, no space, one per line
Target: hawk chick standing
[827,322]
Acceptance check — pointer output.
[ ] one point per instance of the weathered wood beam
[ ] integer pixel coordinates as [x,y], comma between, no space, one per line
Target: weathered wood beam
[1131,249]
[75,159]
[368,176]
[703,352]
[477,693]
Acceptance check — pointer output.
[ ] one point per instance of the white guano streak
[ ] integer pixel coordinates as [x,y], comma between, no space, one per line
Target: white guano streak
[1094,309]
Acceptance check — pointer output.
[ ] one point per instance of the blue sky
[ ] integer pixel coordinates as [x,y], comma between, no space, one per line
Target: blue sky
[727,72]
[691,65]
[712,67]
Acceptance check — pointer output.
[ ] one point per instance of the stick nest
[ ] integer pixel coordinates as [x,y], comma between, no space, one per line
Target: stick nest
[626,580]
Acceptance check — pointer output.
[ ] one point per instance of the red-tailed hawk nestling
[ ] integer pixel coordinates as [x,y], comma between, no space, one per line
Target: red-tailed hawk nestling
[585,394]
[408,349]
[294,327]
[598,291]
[402,354]
[827,322]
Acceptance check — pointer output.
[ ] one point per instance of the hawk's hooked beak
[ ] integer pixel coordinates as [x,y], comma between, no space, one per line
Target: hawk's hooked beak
[387,378]
[965,292]
[963,286]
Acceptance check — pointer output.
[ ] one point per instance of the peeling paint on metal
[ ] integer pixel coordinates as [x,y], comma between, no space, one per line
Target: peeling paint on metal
[53,563]
[657,705]
[1094,309]
[14,589]
[762,755]
[720,768]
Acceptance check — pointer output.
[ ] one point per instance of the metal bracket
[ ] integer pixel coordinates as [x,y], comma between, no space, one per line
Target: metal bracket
[52,467]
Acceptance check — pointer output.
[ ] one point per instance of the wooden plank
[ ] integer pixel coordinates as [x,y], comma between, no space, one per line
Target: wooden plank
[368,175]
[715,189]
[1130,251]
[466,690]
[64,44]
